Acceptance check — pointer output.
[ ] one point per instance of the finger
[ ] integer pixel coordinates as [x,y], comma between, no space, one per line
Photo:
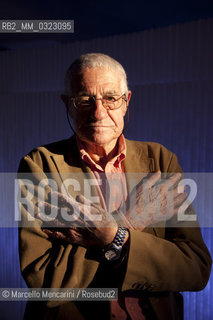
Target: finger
[74,208]
[146,185]
[65,201]
[91,210]
[171,205]
[83,200]
[48,208]
[173,181]
[179,190]
[89,215]
[178,201]
[152,179]
[51,222]
[55,234]
[86,210]
[62,216]
[80,198]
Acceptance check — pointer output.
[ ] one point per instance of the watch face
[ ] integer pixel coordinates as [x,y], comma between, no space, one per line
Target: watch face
[112,254]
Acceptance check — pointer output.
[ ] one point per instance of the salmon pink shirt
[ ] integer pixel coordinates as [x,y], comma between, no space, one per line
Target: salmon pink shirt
[112,191]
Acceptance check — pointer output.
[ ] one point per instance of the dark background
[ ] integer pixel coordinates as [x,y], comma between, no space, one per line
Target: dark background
[166,49]
[94,19]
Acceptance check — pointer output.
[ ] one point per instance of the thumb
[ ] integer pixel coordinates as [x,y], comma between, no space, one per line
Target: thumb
[80,198]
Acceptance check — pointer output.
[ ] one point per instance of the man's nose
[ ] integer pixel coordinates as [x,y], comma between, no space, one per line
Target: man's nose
[99,111]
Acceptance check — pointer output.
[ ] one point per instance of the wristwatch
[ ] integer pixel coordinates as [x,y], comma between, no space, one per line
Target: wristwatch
[113,251]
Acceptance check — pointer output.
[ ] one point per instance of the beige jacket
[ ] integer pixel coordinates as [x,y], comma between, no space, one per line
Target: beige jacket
[161,261]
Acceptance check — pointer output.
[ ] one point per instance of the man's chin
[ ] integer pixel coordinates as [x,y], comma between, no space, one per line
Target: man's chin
[98,139]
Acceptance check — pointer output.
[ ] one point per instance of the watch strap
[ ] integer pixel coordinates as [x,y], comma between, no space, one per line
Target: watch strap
[114,249]
[120,236]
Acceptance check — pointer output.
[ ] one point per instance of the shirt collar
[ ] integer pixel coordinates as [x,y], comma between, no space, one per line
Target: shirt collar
[116,161]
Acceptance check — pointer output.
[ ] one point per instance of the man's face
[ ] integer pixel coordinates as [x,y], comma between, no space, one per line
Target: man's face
[99,125]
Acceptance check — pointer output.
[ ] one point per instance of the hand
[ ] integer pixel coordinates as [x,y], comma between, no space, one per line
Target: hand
[78,222]
[152,200]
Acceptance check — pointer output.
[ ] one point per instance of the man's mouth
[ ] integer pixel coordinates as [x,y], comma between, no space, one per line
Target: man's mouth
[93,125]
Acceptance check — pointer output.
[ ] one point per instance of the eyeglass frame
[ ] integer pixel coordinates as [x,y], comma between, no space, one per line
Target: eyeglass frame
[123,96]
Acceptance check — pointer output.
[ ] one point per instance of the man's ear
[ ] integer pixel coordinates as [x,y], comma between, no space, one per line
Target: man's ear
[129,96]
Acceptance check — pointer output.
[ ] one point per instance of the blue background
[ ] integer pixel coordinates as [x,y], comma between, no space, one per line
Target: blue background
[170,74]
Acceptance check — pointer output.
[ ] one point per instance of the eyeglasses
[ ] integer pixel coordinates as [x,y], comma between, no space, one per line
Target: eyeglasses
[109,102]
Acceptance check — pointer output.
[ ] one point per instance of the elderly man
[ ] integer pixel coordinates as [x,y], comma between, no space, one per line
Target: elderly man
[128,248]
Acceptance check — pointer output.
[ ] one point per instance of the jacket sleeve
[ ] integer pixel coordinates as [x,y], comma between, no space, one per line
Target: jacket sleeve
[44,262]
[159,259]
[174,258]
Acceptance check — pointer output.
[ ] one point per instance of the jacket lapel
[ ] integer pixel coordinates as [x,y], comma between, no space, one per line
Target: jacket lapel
[137,164]
[137,159]
[75,175]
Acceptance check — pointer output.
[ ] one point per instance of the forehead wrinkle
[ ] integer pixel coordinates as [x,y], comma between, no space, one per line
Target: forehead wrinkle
[111,92]
[100,88]
[108,92]
[97,84]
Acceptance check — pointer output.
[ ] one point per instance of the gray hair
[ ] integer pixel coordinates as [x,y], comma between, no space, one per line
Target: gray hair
[92,60]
